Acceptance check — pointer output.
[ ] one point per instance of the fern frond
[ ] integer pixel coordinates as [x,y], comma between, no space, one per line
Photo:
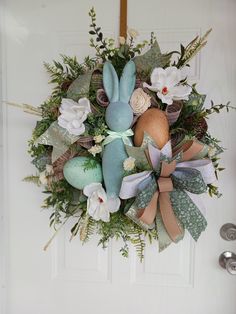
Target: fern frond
[32,179]
[138,240]
[87,228]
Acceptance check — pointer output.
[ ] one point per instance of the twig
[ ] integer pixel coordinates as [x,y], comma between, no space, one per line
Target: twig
[26,108]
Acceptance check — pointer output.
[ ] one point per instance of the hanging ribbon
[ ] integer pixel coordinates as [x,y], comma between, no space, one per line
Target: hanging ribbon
[163,194]
[122,135]
[123,18]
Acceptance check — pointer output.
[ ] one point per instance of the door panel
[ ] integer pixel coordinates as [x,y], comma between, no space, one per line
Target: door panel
[70,277]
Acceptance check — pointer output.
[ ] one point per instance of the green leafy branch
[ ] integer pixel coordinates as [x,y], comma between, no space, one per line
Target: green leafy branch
[32,179]
[217,108]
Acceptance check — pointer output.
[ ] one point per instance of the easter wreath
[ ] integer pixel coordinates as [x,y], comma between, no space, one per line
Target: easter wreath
[122,146]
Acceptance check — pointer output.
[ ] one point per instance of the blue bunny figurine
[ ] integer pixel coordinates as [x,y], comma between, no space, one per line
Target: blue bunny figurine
[119,117]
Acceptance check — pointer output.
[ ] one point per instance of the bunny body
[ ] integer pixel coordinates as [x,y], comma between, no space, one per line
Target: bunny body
[119,117]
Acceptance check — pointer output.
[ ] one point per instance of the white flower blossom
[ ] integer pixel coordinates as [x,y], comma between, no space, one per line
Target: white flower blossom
[140,101]
[99,205]
[73,114]
[43,178]
[96,149]
[49,169]
[133,33]
[167,84]
[129,164]
[122,40]
[212,152]
[98,138]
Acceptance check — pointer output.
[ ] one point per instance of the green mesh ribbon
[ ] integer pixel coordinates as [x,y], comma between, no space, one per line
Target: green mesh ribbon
[163,237]
[188,213]
[146,193]
[189,179]
[80,87]
[57,137]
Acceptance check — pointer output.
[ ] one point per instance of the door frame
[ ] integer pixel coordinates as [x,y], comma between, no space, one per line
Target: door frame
[4,221]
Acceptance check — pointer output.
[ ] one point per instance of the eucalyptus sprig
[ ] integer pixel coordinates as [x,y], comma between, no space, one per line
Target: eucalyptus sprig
[217,108]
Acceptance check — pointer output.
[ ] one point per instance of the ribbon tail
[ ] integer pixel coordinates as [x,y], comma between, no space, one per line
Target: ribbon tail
[148,214]
[188,213]
[163,237]
[170,221]
[108,140]
[132,213]
[127,141]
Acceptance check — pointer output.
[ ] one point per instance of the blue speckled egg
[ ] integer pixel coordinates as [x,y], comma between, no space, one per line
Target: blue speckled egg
[77,174]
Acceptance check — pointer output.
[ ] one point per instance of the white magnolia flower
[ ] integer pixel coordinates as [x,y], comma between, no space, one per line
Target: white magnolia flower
[98,138]
[132,33]
[140,101]
[94,150]
[166,83]
[129,164]
[73,114]
[99,205]
[122,40]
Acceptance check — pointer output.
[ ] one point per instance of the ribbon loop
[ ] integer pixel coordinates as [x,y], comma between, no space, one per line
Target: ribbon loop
[148,214]
[167,168]
[122,135]
[190,180]
[169,219]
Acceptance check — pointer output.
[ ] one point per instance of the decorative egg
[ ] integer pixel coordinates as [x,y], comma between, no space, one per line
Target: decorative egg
[78,174]
[155,123]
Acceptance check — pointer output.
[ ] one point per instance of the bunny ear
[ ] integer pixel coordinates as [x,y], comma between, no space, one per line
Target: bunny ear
[127,81]
[110,82]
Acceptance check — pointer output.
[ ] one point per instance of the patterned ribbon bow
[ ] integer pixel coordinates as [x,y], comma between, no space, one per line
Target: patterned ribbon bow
[165,194]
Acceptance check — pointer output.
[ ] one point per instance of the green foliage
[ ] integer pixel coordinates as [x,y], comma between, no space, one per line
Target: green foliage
[90,163]
[138,240]
[62,74]
[61,199]
[32,179]
[121,227]
[96,124]
[190,51]
[213,190]
[217,108]
[191,121]
[105,49]
[88,227]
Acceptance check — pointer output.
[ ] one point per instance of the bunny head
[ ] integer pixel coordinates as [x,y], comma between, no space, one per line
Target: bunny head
[119,114]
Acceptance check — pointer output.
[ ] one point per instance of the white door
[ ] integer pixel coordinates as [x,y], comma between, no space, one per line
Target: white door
[69,278]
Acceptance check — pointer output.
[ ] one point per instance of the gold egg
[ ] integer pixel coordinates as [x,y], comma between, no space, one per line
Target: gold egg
[155,123]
